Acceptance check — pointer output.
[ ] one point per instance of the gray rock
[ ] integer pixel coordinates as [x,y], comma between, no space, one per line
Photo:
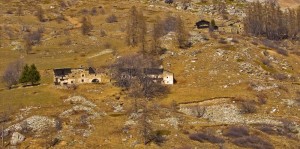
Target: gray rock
[17,138]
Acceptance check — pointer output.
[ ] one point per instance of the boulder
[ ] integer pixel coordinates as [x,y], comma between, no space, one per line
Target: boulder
[17,138]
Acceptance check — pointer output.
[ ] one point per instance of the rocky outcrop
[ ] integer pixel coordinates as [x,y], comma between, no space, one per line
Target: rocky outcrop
[16,138]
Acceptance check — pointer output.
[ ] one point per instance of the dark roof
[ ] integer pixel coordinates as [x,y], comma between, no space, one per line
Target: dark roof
[61,71]
[92,70]
[153,71]
[202,24]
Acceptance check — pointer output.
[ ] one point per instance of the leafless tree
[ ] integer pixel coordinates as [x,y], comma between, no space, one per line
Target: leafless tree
[271,21]
[40,14]
[156,34]
[111,19]
[19,10]
[182,34]
[136,29]
[87,26]
[142,31]
[12,73]
[132,25]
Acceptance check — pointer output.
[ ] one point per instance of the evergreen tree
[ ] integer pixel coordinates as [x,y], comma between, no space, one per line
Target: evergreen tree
[30,74]
[34,75]
[25,74]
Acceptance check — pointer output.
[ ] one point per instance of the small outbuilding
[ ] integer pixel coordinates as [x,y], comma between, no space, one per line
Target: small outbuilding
[202,24]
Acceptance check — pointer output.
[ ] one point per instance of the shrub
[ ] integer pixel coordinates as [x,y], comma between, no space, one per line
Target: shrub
[35,37]
[84,11]
[262,98]
[102,33]
[198,111]
[169,24]
[158,137]
[282,51]
[111,19]
[281,87]
[266,62]
[169,1]
[222,41]
[289,126]
[58,124]
[87,26]
[253,142]
[94,11]
[201,137]
[107,45]
[40,14]
[248,107]
[101,10]
[237,131]
[280,76]
[268,129]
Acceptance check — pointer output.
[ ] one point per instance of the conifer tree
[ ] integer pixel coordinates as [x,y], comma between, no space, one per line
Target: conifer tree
[34,75]
[25,74]
[30,75]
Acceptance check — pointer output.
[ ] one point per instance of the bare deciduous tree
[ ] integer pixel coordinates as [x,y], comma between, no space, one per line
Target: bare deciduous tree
[136,29]
[132,25]
[40,14]
[157,33]
[87,26]
[12,73]
[182,35]
[269,20]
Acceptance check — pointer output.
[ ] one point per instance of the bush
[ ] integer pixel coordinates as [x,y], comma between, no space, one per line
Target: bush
[268,129]
[87,26]
[111,19]
[266,62]
[282,51]
[222,41]
[102,33]
[237,131]
[280,76]
[248,107]
[169,1]
[58,124]
[94,11]
[262,98]
[84,11]
[253,142]
[35,37]
[281,87]
[201,137]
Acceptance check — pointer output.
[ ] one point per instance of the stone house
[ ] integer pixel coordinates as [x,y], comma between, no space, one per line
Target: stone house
[232,27]
[160,75]
[67,76]
[157,75]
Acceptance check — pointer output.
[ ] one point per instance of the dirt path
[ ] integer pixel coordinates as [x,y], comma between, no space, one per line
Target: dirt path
[106,51]
[74,21]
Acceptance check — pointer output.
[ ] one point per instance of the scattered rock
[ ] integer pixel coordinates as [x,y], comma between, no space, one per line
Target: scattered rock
[16,138]
[80,100]
[36,124]
[172,121]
